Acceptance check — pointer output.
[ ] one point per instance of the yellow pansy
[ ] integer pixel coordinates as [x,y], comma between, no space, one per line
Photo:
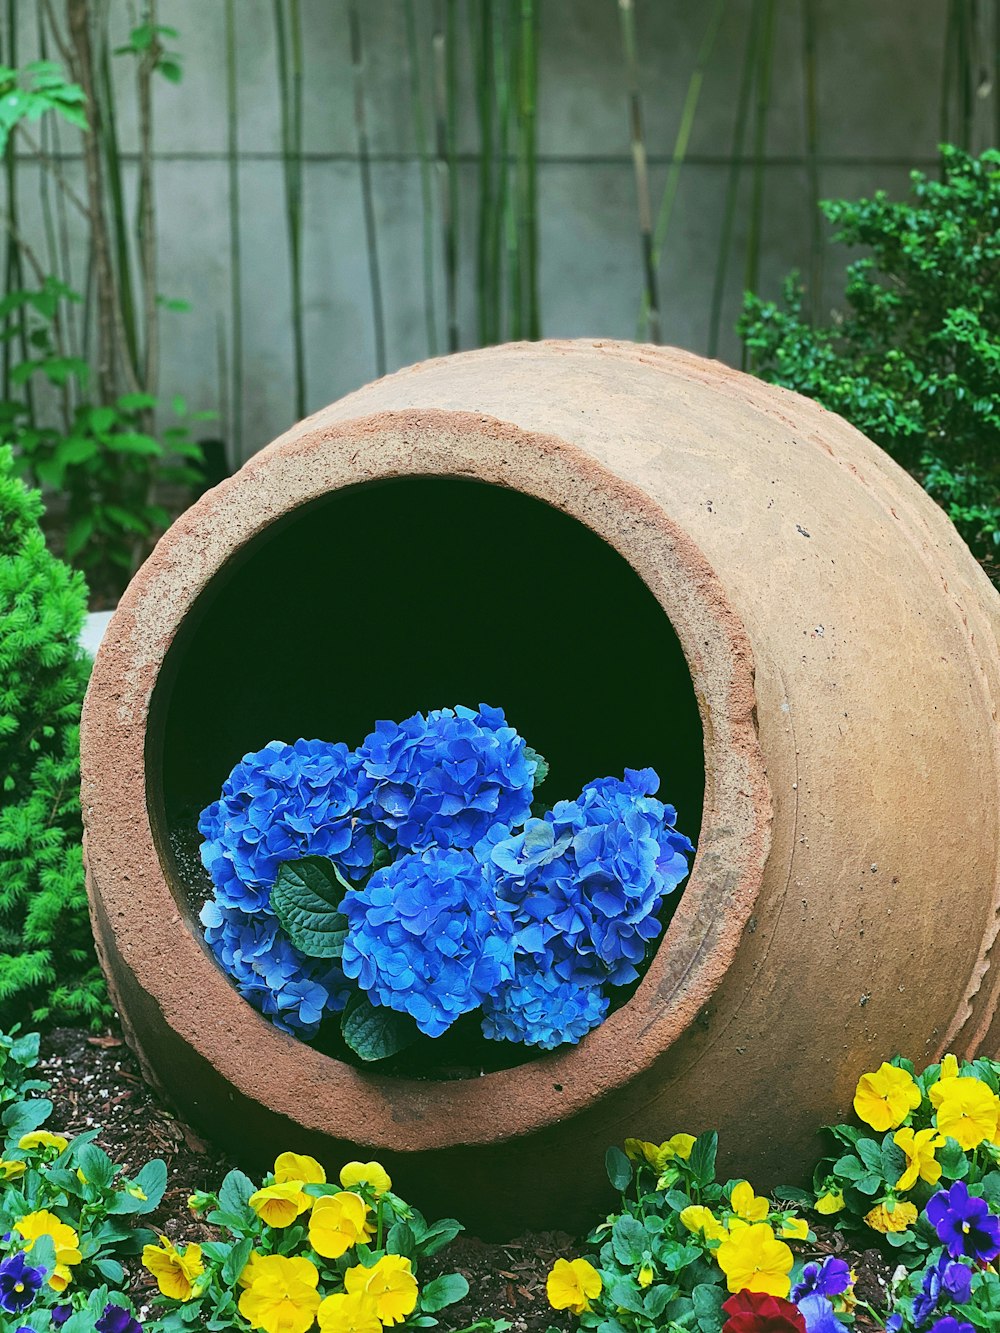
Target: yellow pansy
[280,1204]
[250,1270]
[137,1193]
[300,1167]
[572,1285]
[949,1070]
[884,1099]
[746,1204]
[645,1278]
[659,1154]
[41,1138]
[282,1297]
[918,1147]
[697,1218]
[829,1203]
[175,1270]
[365,1173]
[341,1313]
[337,1222]
[967,1110]
[11,1169]
[391,1285]
[882,1219]
[795,1228]
[753,1259]
[64,1239]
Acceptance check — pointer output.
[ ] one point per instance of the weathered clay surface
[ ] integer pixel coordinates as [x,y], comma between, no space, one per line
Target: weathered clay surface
[845,900]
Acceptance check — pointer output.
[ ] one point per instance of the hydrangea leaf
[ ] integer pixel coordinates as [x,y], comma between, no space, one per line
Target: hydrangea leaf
[373,1032]
[306,899]
[442,1291]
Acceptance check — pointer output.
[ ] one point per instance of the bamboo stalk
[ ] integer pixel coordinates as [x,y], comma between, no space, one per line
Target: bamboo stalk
[486,291]
[812,156]
[944,105]
[502,212]
[146,215]
[733,181]
[289,51]
[967,22]
[235,253]
[527,241]
[752,267]
[445,161]
[13,266]
[109,148]
[426,183]
[368,204]
[683,138]
[640,167]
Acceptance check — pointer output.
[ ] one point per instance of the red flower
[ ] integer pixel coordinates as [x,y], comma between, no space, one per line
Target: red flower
[756,1312]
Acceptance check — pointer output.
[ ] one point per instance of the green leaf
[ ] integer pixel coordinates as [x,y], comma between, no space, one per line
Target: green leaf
[619,1169]
[152,1180]
[541,766]
[234,1196]
[870,1153]
[401,1240]
[442,1291]
[701,1163]
[236,1261]
[373,1032]
[707,1299]
[96,1165]
[657,1298]
[23,1117]
[623,1292]
[110,1269]
[306,899]
[629,1240]
[433,1238]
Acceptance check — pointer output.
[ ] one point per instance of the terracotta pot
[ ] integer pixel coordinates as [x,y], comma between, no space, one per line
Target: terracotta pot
[644,557]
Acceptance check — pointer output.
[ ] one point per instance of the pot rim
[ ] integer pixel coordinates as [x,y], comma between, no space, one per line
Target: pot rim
[126,842]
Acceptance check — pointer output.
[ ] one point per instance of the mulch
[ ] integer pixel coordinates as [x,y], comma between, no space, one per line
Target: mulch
[96,1082]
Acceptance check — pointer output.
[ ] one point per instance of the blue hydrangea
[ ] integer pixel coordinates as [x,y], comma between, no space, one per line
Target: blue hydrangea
[284,802]
[538,1008]
[292,990]
[425,937]
[443,780]
[583,886]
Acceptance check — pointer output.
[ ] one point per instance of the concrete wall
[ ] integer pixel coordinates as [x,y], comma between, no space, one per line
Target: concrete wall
[879,78]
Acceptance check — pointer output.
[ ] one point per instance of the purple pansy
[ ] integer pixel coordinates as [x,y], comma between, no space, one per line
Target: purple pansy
[19,1283]
[964,1225]
[945,1278]
[818,1313]
[116,1319]
[830,1278]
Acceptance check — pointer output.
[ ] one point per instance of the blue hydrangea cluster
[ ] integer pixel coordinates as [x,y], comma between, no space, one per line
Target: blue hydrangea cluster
[284,802]
[292,990]
[480,906]
[443,780]
[426,937]
[583,887]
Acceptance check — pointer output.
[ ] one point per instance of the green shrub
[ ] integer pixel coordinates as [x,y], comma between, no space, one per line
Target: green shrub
[914,358]
[46,949]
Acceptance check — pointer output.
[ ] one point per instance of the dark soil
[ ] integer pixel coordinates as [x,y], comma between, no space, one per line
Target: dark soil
[96,1082]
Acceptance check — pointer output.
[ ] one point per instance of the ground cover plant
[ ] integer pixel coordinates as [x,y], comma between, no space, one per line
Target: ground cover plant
[47,960]
[418,880]
[913,357]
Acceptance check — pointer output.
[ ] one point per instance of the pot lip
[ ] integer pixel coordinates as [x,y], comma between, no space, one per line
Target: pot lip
[194,997]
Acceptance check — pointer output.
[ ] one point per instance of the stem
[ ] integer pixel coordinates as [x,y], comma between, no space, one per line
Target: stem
[751,270]
[684,131]
[812,156]
[235,257]
[733,182]
[527,248]
[116,196]
[290,80]
[426,191]
[364,163]
[501,81]
[444,67]
[651,298]
[486,290]
[944,111]
[146,218]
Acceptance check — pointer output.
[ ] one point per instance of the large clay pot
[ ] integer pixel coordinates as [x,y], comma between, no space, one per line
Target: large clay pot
[644,557]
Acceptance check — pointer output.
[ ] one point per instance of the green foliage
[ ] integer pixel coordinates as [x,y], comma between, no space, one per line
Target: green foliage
[27,94]
[914,358]
[101,456]
[46,948]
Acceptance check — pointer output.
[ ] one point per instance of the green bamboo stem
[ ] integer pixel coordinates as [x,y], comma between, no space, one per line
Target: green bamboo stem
[13,262]
[733,180]
[445,160]
[502,211]
[426,182]
[752,267]
[527,240]
[145,225]
[235,395]
[688,112]
[948,49]
[367,201]
[118,214]
[811,116]
[486,289]
[289,51]
[640,167]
